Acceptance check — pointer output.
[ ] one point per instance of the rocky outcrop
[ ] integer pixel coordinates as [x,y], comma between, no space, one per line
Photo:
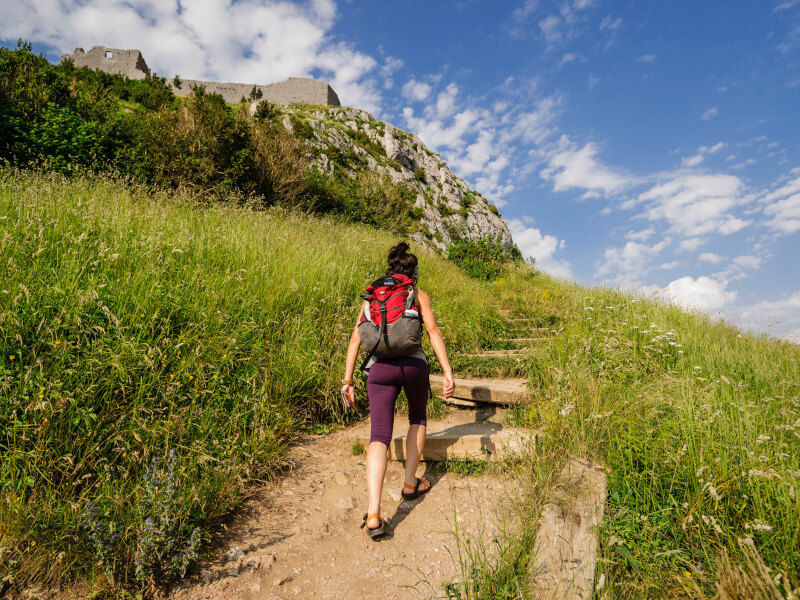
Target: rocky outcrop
[450,209]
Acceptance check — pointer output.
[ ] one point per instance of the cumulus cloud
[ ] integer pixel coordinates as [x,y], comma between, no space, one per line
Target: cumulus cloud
[630,263]
[533,244]
[610,22]
[710,257]
[782,206]
[695,205]
[572,167]
[702,152]
[710,114]
[640,236]
[258,41]
[781,316]
[704,293]
[416,91]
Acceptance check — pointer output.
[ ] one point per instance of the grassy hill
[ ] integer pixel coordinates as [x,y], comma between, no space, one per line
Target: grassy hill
[157,356]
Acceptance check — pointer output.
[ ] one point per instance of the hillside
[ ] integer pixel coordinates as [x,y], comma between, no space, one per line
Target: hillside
[322,159]
[158,357]
[350,141]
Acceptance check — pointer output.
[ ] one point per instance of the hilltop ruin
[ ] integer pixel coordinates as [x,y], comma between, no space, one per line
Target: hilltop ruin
[131,64]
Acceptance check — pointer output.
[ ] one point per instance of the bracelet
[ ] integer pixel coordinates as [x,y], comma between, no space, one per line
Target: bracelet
[347,382]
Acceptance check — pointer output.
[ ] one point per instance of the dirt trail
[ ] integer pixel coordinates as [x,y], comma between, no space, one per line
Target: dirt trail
[300,537]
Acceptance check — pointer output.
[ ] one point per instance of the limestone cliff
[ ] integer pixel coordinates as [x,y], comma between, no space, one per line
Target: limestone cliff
[351,139]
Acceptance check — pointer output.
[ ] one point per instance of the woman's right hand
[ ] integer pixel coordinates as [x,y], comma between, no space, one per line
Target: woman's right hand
[448,385]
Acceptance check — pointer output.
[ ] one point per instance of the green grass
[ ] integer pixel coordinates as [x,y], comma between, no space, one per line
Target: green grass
[134,324]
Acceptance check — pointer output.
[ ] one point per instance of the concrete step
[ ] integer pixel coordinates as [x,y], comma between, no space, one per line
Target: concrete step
[447,444]
[492,391]
[565,551]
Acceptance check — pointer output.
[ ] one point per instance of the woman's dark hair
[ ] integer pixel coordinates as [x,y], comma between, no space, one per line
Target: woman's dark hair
[402,261]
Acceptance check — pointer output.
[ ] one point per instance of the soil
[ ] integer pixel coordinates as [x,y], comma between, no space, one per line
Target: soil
[300,537]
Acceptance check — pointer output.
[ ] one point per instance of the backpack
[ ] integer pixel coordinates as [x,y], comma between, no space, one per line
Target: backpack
[390,325]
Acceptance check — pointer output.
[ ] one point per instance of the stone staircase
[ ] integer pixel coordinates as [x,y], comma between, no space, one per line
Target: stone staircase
[564,561]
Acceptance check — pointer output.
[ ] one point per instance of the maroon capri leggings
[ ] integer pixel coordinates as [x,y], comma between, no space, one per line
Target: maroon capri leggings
[385,379]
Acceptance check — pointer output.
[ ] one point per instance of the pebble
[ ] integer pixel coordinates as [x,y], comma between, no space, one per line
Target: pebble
[346,503]
[395,495]
[255,587]
[340,478]
[266,561]
[297,590]
[234,554]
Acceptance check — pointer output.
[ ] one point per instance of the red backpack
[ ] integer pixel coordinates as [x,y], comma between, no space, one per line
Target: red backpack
[390,325]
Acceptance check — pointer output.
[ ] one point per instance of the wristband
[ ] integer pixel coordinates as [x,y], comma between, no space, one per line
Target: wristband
[347,382]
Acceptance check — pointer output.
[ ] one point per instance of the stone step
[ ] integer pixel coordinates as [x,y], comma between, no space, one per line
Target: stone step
[525,340]
[510,353]
[564,560]
[492,391]
[445,445]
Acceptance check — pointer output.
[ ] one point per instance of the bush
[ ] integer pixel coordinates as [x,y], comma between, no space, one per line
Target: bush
[481,259]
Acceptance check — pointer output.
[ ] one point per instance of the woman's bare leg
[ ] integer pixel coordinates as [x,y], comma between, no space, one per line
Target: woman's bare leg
[376,471]
[415,443]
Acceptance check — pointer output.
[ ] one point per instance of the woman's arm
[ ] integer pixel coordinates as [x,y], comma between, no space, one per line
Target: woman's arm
[352,355]
[437,341]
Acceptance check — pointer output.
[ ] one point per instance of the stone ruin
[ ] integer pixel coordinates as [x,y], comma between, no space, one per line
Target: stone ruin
[131,64]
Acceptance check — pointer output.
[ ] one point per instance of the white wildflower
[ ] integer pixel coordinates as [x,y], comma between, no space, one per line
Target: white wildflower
[762,438]
[792,493]
[713,493]
[683,450]
[700,472]
[759,526]
[685,505]
[697,368]
[588,308]
[567,409]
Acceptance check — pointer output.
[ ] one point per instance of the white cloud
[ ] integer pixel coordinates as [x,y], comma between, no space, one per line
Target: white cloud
[610,22]
[747,262]
[533,244]
[783,206]
[550,27]
[710,257]
[640,236]
[702,151]
[646,58]
[416,91]
[704,293]
[570,57]
[692,244]
[572,167]
[710,114]
[524,11]
[632,262]
[251,41]
[781,315]
[593,81]
[695,205]
[390,65]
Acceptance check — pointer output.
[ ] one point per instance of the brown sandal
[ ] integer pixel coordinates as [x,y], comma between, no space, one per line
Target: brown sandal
[415,491]
[379,530]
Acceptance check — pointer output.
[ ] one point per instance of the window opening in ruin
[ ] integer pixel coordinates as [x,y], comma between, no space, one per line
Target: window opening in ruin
[109,54]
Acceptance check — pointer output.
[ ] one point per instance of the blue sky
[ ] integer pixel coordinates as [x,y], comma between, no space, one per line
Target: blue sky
[648,145]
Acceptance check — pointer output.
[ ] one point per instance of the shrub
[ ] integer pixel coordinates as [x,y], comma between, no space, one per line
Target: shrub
[480,259]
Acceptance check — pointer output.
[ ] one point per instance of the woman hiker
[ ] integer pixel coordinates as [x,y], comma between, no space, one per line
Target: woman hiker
[388,375]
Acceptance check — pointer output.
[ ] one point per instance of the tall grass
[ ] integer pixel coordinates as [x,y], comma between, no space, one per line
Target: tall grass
[137,329]
[699,425]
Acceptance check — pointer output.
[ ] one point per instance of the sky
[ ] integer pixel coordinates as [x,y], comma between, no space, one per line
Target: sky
[644,145]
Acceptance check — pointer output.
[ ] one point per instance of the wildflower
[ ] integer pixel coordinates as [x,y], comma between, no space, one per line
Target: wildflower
[11,357]
[683,450]
[762,438]
[588,308]
[697,368]
[713,492]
